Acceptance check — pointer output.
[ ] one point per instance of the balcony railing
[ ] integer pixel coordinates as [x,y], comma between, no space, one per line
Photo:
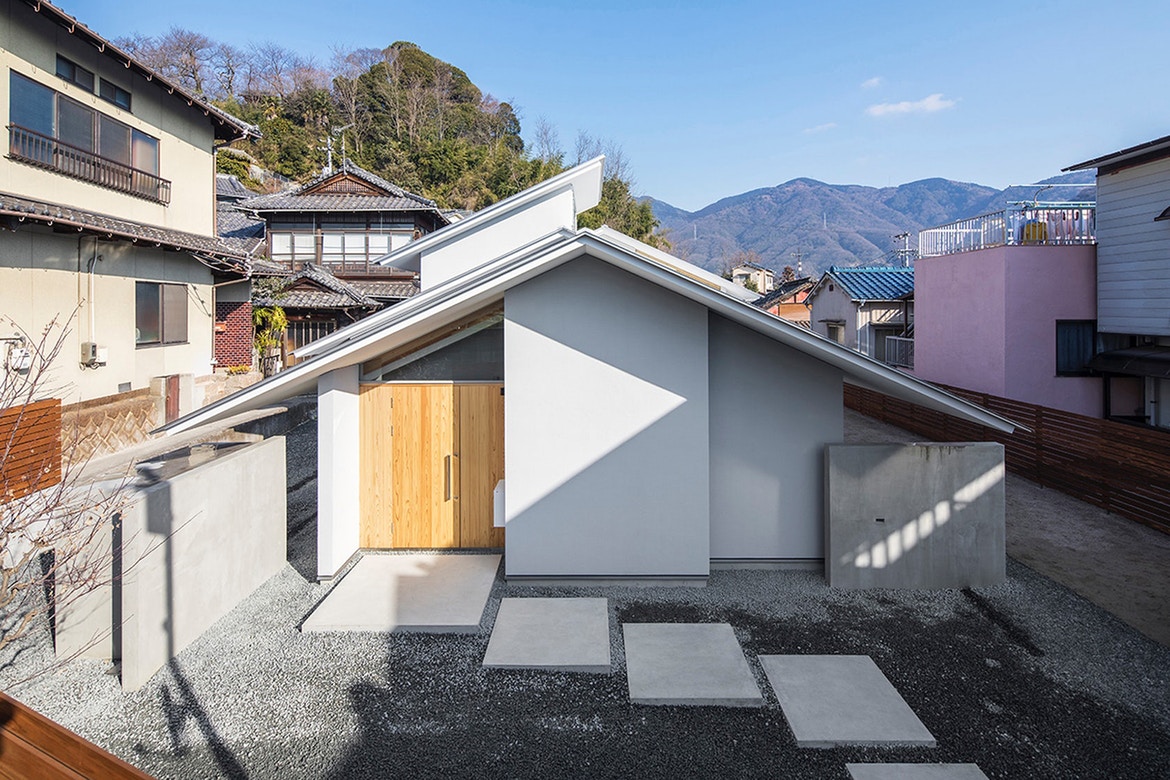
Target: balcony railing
[1064,224]
[900,351]
[47,152]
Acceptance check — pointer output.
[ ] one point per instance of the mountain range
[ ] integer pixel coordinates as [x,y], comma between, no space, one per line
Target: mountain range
[839,224]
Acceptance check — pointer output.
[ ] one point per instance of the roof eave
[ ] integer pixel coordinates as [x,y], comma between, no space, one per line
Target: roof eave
[224,120]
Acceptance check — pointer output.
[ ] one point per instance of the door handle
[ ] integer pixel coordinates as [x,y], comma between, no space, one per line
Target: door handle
[447,478]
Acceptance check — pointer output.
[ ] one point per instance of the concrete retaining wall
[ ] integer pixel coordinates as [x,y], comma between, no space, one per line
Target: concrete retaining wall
[914,515]
[192,547]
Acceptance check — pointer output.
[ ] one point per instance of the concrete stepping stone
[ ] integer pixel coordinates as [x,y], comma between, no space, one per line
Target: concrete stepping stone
[915,772]
[423,592]
[559,634]
[688,663]
[832,700]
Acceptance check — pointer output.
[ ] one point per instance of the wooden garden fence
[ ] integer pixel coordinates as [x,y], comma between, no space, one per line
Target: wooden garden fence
[1124,469]
[30,448]
[32,746]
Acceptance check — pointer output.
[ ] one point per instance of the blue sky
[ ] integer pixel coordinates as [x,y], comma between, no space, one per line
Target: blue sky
[709,100]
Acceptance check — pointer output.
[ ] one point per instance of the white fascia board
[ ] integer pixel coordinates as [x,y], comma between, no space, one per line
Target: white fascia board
[665,258]
[461,297]
[444,305]
[424,299]
[585,180]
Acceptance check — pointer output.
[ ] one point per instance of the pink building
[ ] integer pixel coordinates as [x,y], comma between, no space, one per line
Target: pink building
[1006,304]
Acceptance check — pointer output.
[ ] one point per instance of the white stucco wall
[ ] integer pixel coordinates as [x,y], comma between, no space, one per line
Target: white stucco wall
[772,410]
[338,476]
[494,239]
[606,426]
[834,305]
[43,276]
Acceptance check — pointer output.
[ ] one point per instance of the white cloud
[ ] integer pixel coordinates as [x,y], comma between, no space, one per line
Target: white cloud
[876,81]
[928,105]
[820,128]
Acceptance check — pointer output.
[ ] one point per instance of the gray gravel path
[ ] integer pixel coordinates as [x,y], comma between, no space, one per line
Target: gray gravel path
[1026,679]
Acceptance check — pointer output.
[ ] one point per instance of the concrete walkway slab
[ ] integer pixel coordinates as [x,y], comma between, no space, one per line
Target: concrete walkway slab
[558,634]
[688,663]
[426,592]
[832,700]
[915,772]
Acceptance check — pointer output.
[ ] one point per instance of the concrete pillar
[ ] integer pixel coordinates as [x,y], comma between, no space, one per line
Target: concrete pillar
[338,432]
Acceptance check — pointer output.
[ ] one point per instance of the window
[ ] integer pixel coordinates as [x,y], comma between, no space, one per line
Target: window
[836,331]
[160,313]
[1076,342]
[115,94]
[74,73]
[52,131]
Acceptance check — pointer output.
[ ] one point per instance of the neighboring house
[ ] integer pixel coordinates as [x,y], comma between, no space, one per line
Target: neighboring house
[317,303]
[861,308]
[787,300]
[1005,304]
[341,222]
[622,435]
[753,277]
[107,210]
[1133,282]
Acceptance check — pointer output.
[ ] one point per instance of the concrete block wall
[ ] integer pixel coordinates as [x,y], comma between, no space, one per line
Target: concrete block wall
[921,516]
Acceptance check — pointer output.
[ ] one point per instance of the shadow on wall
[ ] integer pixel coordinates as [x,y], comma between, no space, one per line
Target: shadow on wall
[915,515]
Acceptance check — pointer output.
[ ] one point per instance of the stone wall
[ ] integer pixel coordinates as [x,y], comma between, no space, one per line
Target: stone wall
[100,426]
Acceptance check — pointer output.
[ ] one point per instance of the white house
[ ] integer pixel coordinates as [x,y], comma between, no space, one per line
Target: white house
[621,439]
[862,307]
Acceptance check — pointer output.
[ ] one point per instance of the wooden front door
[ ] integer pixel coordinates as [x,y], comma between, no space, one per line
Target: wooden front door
[431,455]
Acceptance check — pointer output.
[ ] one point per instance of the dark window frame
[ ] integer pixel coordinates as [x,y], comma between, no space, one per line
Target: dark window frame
[1086,339]
[116,95]
[70,71]
[172,328]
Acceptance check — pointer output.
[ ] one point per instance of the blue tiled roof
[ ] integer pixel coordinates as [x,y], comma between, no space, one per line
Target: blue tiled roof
[874,284]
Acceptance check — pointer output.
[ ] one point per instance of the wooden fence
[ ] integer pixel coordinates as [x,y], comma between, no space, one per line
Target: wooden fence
[30,448]
[31,745]
[1124,469]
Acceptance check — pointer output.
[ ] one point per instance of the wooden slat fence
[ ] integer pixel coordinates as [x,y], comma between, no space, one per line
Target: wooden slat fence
[32,746]
[1121,468]
[30,448]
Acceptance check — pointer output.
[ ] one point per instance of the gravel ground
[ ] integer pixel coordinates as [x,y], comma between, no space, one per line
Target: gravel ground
[1026,679]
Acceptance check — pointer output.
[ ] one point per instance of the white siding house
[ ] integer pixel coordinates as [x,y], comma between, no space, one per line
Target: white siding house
[621,439]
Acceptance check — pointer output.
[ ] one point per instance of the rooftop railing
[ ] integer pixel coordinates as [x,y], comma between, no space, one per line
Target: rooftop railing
[47,152]
[1039,225]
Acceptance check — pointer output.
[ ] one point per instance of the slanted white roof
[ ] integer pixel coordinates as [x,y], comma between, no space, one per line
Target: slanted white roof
[583,181]
[458,298]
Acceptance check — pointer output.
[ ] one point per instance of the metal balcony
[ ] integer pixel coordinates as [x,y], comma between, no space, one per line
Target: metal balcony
[47,152]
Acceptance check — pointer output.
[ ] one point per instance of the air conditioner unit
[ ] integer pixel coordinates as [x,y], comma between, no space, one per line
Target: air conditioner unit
[92,354]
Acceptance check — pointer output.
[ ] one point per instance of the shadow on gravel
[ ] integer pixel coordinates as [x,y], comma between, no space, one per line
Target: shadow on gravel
[977,686]
[183,706]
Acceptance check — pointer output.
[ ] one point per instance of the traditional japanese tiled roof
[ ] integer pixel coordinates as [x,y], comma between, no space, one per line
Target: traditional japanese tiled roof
[239,230]
[386,289]
[229,187]
[315,288]
[784,291]
[377,194]
[213,252]
[873,284]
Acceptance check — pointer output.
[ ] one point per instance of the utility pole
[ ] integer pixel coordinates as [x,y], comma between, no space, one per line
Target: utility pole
[903,254]
[799,267]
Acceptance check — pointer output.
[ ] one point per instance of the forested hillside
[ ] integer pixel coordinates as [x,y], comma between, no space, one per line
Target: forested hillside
[398,112]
